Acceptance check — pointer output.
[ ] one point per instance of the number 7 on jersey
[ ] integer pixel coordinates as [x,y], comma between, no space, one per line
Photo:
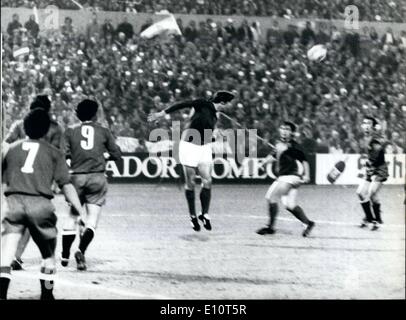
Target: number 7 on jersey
[32,148]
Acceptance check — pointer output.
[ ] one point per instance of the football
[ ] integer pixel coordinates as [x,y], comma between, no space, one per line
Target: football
[317,53]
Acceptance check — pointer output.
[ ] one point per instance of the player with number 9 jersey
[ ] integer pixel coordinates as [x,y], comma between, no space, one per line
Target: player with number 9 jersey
[86,143]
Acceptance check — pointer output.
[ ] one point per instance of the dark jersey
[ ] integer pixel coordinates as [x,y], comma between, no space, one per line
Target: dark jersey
[374,148]
[86,144]
[287,153]
[204,118]
[54,135]
[31,166]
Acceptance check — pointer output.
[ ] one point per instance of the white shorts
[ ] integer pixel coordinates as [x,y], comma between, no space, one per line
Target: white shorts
[192,155]
[293,180]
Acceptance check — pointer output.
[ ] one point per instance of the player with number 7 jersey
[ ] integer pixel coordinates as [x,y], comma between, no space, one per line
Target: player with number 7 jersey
[86,144]
[29,168]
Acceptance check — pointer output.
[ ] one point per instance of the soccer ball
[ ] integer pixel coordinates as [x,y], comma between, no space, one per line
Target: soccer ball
[317,53]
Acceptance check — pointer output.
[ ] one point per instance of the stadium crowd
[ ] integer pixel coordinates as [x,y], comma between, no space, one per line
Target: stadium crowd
[131,76]
[369,10]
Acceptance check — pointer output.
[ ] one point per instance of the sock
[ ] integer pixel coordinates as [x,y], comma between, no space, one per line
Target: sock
[205,196]
[68,236]
[376,207]
[367,209]
[87,237]
[5,276]
[47,283]
[190,197]
[299,214]
[273,211]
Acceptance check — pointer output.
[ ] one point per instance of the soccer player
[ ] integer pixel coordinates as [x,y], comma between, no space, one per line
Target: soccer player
[376,173]
[86,143]
[55,137]
[195,149]
[29,167]
[285,188]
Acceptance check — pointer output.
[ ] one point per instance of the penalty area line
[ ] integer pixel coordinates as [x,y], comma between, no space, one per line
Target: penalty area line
[76,285]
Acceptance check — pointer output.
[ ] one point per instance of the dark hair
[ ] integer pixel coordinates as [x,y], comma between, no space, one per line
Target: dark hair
[374,121]
[41,101]
[290,124]
[86,109]
[36,123]
[222,96]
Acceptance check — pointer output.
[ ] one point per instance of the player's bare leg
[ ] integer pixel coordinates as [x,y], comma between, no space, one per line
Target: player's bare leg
[205,171]
[22,244]
[273,195]
[70,229]
[190,175]
[362,193]
[48,270]
[92,220]
[48,266]
[290,203]
[9,243]
[373,191]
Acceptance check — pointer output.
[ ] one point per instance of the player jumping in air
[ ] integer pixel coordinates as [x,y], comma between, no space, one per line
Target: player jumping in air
[54,137]
[195,150]
[86,143]
[376,173]
[29,167]
[285,187]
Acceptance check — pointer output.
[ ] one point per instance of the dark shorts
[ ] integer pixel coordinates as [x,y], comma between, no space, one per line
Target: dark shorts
[35,214]
[91,187]
[377,174]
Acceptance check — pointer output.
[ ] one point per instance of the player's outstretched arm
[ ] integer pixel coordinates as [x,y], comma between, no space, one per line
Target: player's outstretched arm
[177,106]
[306,173]
[15,133]
[156,116]
[112,148]
[72,197]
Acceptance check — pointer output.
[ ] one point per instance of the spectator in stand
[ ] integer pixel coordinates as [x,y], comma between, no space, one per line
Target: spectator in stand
[395,144]
[244,32]
[67,27]
[290,35]
[308,34]
[352,42]
[126,28]
[274,34]
[191,32]
[388,38]
[32,26]
[14,24]
[403,40]
[322,37]
[107,30]
[93,28]
[230,29]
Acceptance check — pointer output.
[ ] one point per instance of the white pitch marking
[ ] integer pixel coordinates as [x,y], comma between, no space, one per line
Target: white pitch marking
[338,223]
[126,293]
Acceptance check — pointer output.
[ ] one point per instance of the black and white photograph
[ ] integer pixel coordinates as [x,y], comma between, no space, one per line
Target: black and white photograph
[211,150]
